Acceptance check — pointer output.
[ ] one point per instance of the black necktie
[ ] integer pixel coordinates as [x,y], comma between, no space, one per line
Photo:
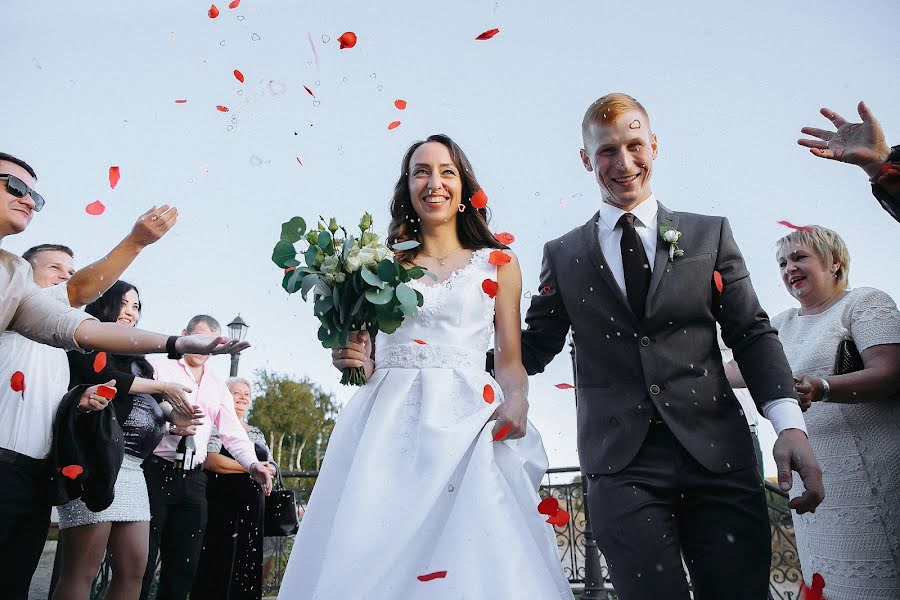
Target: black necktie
[635,265]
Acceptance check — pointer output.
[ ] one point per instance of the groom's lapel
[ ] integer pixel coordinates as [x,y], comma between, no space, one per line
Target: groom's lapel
[663,215]
[591,237]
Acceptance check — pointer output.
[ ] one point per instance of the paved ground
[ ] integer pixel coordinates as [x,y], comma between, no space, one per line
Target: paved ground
[40,583]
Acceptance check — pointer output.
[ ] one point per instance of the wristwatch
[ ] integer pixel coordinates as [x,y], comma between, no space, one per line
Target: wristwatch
[172,428]
[170,347]
[826,390]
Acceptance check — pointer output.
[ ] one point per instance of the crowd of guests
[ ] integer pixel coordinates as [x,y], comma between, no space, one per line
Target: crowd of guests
[97,430]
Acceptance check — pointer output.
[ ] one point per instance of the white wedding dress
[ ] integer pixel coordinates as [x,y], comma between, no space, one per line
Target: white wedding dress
[412,482]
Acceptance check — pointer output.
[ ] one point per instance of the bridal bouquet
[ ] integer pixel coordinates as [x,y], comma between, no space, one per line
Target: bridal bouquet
[356,282]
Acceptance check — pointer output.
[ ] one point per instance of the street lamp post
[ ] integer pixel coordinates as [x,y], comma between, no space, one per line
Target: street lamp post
[237,329]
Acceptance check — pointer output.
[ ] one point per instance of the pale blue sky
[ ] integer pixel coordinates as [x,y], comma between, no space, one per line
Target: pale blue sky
[728,86]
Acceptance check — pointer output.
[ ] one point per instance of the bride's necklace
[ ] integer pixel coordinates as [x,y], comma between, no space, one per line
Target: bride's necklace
[442,260]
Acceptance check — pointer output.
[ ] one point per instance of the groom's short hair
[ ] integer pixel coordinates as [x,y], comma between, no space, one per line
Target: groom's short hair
[608,108]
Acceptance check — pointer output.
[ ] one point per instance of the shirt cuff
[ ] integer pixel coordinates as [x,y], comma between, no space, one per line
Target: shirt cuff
[784,413]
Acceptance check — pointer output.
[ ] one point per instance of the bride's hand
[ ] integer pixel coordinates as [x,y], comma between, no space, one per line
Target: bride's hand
[357,353]
[513,416]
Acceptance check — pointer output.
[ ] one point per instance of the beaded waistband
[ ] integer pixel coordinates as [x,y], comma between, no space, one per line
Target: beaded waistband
[428,356]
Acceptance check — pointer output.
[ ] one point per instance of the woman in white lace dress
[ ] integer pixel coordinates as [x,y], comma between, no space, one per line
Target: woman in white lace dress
[428,489]
[853,419]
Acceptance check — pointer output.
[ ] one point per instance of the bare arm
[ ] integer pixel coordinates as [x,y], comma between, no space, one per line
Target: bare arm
[878,380]
[111,337]
[508,367]
[217,463]
[90,282]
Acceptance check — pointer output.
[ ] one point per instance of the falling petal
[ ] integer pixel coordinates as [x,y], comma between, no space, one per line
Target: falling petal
[564,386]
[234,4]
[490,287]
[548,506]
[792,226]
[559,519]
[114,177]
[213,12]
[99,362]
[488,394]
[430,576]
[221,108]
[499,258]
[479,200]
[347,40]
[95,208]
[309,91]
[420,342]
[299,161]
[400,104]
[502,433]
[72,471]
[546,289]
[105,391]
[717,279]
[487,34]
[393,125]
[180,101]
[505,238]
[239,76]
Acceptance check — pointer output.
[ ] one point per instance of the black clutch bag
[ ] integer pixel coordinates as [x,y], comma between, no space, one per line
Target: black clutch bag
[848,359]
[281,511]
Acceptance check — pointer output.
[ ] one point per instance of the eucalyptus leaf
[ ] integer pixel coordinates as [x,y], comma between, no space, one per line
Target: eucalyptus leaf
[407,245]
[292,280]
[415,272]
[371,278]
[382,296]
[386,271]
[310,255]
[323,287]
[336,300]
[389,320]
[420,299]
[348,245]
[430,274]
[309,282]
[325,241]
[328,334]
[409,310]
[285,255]
[292,231]
[323,305]
[402,273]
[354,311]
[406,295]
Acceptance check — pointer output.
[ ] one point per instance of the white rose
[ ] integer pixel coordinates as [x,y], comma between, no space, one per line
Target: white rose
[671,236]
[381,253]
[368,256]
[353,262]
[330,264]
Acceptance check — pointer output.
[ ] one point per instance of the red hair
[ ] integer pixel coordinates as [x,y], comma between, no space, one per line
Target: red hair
[610,107]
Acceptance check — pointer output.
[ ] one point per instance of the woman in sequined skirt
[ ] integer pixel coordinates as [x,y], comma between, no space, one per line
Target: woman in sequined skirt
[142,407]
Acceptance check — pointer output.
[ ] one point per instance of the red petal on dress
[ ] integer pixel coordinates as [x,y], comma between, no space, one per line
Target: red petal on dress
[488,394]
[490,287]
[420,342]
[499,258]
[17,381]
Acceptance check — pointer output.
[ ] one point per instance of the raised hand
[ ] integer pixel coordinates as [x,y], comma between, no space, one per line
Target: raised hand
[153,224]
[792,452]
[357,353]
[201,343]
[860,144]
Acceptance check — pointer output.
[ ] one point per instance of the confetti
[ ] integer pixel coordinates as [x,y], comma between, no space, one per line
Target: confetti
[564,386]
[95,208]
[309,91]
[72,471]
[393,125]
[180,101]
[400,104]
[488,394]
[479,200]
[430,576]
[99,362]
[347,40]
[505,238]
[239,76]
[17,382]
[221,108]
[792,226]
[213,12]
[499,258]
[717,279]
[490,287]
[502,433]
[420,342]
[104,391]
[548,506]
[299,161]
[487,34]
[814,592]
[559,519]
[234,4]
[114,175]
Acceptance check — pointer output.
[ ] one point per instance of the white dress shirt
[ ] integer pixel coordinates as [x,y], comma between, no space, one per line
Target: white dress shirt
[784,413]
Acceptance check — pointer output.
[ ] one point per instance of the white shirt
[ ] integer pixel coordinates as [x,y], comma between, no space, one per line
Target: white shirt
[784,413]
[26,419]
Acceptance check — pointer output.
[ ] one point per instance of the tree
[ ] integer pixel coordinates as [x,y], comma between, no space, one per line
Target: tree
[297,418]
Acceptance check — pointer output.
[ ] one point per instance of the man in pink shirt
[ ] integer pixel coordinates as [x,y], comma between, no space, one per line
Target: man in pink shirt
[178,496]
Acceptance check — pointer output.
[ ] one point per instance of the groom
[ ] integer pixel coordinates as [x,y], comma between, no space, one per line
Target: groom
[670,465]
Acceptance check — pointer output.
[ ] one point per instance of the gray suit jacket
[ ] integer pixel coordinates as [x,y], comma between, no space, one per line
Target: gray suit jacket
[671,359]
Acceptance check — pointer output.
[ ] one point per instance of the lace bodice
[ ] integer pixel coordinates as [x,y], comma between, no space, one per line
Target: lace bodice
[456,322]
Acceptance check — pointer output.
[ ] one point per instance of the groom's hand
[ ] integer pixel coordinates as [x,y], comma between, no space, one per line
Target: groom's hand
[357,353]
[792,452]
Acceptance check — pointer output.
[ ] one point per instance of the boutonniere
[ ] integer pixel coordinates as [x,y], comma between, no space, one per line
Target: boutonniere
[670,235]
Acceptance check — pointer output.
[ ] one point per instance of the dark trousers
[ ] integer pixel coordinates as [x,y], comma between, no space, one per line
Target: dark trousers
[665,506]
[177,523]
[24,520]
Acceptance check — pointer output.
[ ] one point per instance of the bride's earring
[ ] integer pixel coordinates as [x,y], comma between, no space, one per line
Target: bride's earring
[461,207]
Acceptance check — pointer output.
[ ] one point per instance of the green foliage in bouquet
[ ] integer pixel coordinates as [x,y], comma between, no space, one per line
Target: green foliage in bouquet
[356,282]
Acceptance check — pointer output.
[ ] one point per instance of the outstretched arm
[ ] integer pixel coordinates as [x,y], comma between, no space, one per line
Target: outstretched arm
[90,282]
[111,337]
[512,414]
[547,321]
[860,144]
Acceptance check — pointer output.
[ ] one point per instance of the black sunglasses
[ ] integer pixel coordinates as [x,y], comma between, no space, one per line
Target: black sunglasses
[20,189]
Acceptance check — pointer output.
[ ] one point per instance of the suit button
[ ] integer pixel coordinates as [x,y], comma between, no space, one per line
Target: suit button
[654,389]
[614,422]
[645,341]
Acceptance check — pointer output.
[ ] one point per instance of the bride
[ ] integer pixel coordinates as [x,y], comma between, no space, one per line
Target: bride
[429,485]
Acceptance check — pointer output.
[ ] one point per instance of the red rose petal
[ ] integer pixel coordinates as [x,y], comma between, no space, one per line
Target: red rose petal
[221,108]
[213,12]
[95,208]
[502,433]
[180,101]
[299,161]
[499,258]
[505,238]
[234,4]
[72,471]
[420,342]
[717,279]
[99,362]
[490,287]
[559,519]
[104,391]
[114,175]
[347,40]
[400,104]
[309,91]
[792,226]
[17,382]
[488,394]
[239,76]
[548,506]
[487,34]
[289,269]
[430,576]
[565,386]
[394,125]
[546,289]
[479,200]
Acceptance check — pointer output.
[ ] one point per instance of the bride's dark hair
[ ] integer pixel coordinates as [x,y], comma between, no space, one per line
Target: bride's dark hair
[471,224]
